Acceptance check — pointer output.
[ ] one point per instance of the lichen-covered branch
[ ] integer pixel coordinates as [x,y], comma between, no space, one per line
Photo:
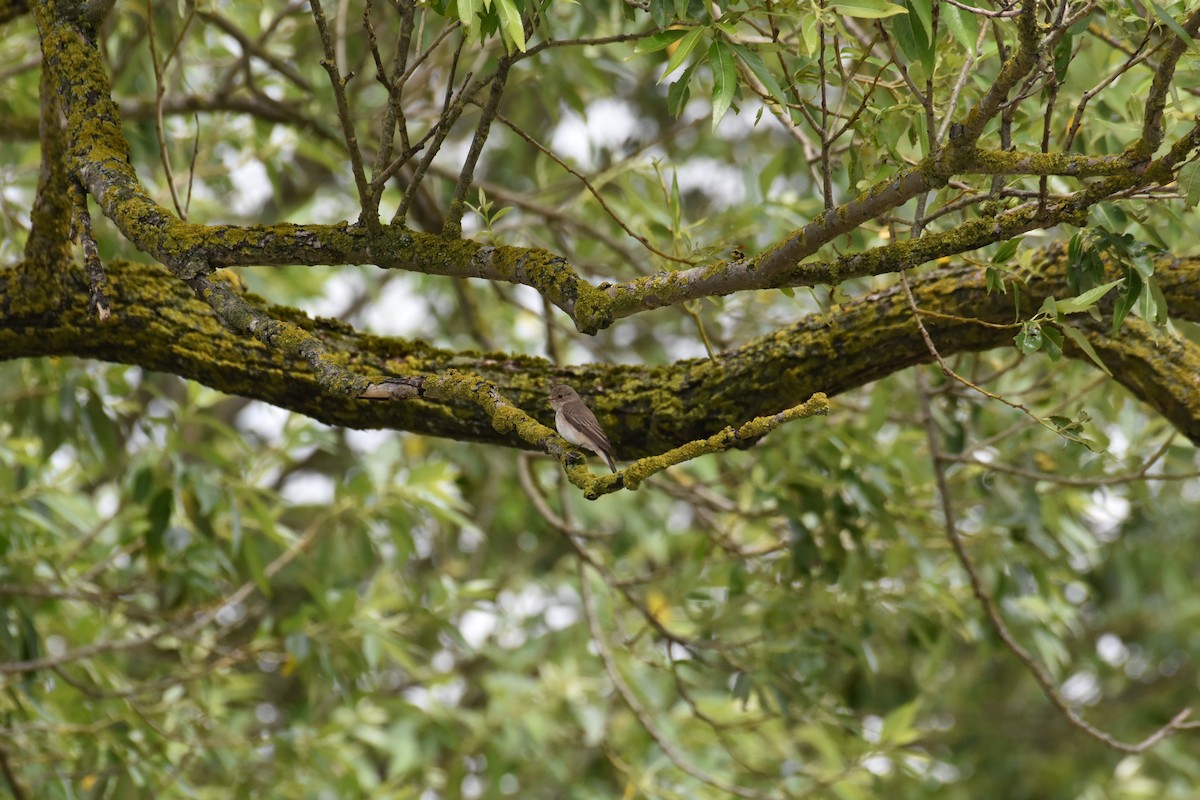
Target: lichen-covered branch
[161,325]
[726,439]
[1156,100]
[48,245]
[325,370]
[100,155]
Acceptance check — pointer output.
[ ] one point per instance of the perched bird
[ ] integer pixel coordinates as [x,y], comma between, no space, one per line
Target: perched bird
[577,424]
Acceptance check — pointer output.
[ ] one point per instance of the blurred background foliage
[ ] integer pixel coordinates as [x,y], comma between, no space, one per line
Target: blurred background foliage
[220,599]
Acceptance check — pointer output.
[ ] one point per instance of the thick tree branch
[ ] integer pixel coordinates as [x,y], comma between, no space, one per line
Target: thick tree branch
[647,411]
[100,154]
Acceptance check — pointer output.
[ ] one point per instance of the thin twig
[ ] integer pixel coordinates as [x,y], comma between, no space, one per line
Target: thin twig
[950,373]
[1141,474]
[452,225]
[1043,679]
[160,90]
[367,198]
[452,107]
[591,190]
[98,302]
[644,717]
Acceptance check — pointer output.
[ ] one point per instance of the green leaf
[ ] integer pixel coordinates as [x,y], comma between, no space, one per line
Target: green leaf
[99,427]
[143,483]
[899,727]
[467,14]
[1075,246]
[1143,262]
[686,46]
[1086,346]
[1052,342]
[1128,296]
[909,45]
[660,13]
[866,9]
[1161,316]
[995,281]
[759,70]
[1062,55]
[1112,216]
[510,17]
[675,202]
[159,516]
[1072,430]
[659,41]
[680,90]
[253,562]
[721,62]
[923,11]
[1007,250]
[1170,22]
[1147,306]
[1086,300]
[1029,340]
[1189,181]
[1065,425]
[915,44]
[962,25]
[742,684]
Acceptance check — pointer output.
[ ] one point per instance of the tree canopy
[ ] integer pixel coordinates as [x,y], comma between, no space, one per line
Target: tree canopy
[888,310]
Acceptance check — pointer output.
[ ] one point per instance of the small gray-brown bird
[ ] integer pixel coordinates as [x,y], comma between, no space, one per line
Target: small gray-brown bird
[577,424]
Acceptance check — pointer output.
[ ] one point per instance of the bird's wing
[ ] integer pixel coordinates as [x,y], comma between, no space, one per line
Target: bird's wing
[591,426]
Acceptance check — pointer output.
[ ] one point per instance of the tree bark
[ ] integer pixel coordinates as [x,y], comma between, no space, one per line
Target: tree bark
[159,324]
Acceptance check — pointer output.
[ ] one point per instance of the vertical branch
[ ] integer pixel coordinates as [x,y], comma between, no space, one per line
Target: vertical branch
[451,111]
[963,75]
[1006,116]
[187,200]
[402,72]
[339,27]
[931,131]
[367,198]
[48,247]
[452,227]
[901,67]
[98,302]
[826,167]
[1047,120]
[1014,69]
[1156,100]
[552,350]
[160,91]
[394,114]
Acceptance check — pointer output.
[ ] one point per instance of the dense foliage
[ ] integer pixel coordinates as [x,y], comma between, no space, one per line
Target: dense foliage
[970,579]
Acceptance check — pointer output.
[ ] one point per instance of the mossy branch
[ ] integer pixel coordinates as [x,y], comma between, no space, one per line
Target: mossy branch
[100,155]
[161,325]
[728,438]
